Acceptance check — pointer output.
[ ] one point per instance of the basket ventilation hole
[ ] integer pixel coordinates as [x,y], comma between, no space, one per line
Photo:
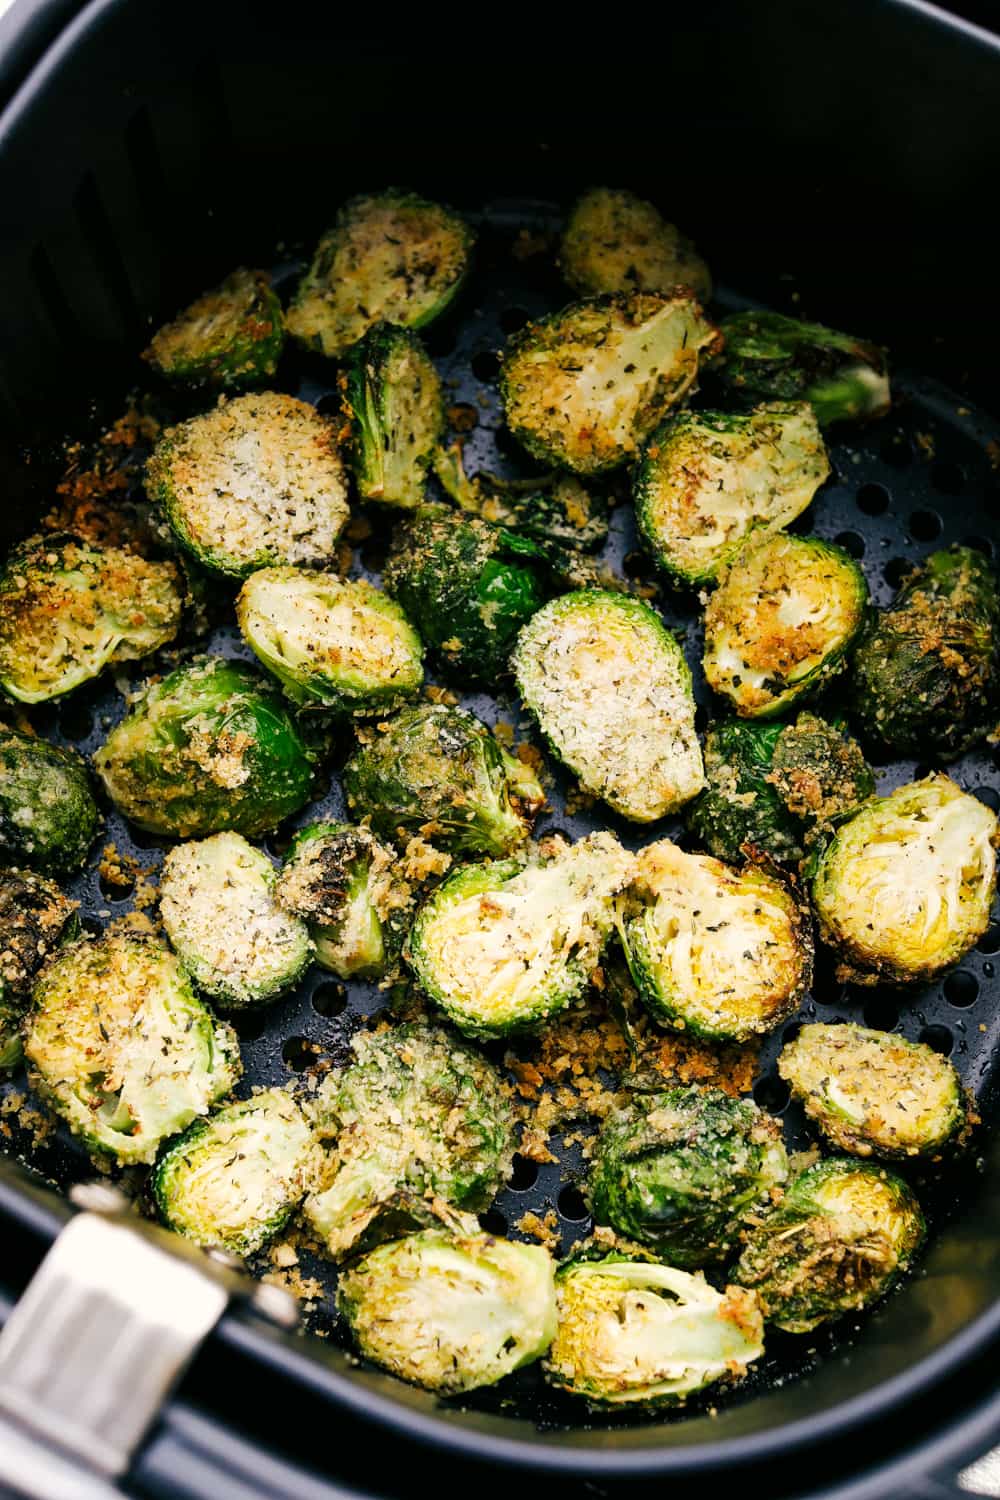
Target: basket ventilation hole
[771,1093]
[329,1000]
[925,525]
[572,1205]
[524,1174]
[961,989]
[493,1222]
[939,1038]
[873,499]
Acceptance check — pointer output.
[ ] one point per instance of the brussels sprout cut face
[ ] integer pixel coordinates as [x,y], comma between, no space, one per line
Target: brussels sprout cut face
[718,952]
[35,917]
[633,1332]
[612,693]
[258,481]
[906,886]
[499,947]
[229,338]
[339,880]
[707,479]
[68,610]
[778,626]
[48,816]
[451,1313]
[121,1047]
[616,242]
[395,407]
[394,258]
[767,354]
[330,641]
[555,507]
[583,388]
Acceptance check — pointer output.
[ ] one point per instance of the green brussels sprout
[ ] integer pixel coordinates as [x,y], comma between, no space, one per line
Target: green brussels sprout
[554,507]
[769,355]
[637,1333]
[468,586]
[872,1093]
[680,1170]
[48,816]
[584,387]
[11,1050]
[209,749]
[35,917]
[120,1046]
[338,643]
[616,242]
[705,480]
[392,258]
[906,886]
[339,880]
[256,482]
[394,407]
[69,609]
[233,1180]
[417,1117]
[612,694]
[501,947]
[439,772]
[451,1312]
[219,909]
[844,1232]
[780,624]
[229,338]
[926,672]
[716,952]
[777,787]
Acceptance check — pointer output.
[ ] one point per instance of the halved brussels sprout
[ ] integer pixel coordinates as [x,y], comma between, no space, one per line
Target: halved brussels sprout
[120,1046]
[872,1093]
[48,816]
[35,917]
[706,479]
[555,507]
[451,1312]
[584,387]
[417,1117]
[680,1170]
[635,1332]
[219,909]
[230,337]
[392,258]
[233,1180]
[500,947]
[844,1232]
[906,886]
[616,242]
[209,748]
[439,772]
[339,880]
[11,1050]
[612,694]
[768,354]
[336,642]
[394,406]
[926,672]
[69,609]
[780,624]
[716,952]
[256,482]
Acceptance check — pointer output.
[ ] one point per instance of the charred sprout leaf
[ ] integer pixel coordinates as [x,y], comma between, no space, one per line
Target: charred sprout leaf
[48,816]
[770,355]
[555,507]
[229,338]
[616,242]
[394,406]
[35,917]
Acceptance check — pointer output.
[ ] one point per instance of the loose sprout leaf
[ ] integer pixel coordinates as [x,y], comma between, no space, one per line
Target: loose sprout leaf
[553,507]
[229,338]
[616,242]
[770,355]
[340,880]
[394,407]
[48,816]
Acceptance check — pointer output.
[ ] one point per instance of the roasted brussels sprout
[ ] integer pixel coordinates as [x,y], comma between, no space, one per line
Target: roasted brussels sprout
[234,1179]
[637,1333]
[120,1046]
[680,1170]
[616,242]
[208,749]
[48,816]
[706,479]
[906,886]
[229,338]
[69,609]
[394,406]
[339,880]
[500,946]
[555,507]
[716,952]
[439,772]
[332,642]
[925,675]
[418,1116]
[451,1312]
[35,917]
[468,586]
[843,1233]
[584,387]
[254,483]
[770,355]
[612,694]
[777,787]
[780,624]
[393,257]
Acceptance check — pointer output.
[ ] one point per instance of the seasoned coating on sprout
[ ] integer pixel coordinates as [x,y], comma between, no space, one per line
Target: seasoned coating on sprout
[394,408]
[768,354]
[229,338]
[35,917]
[617,242]
[48,816]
